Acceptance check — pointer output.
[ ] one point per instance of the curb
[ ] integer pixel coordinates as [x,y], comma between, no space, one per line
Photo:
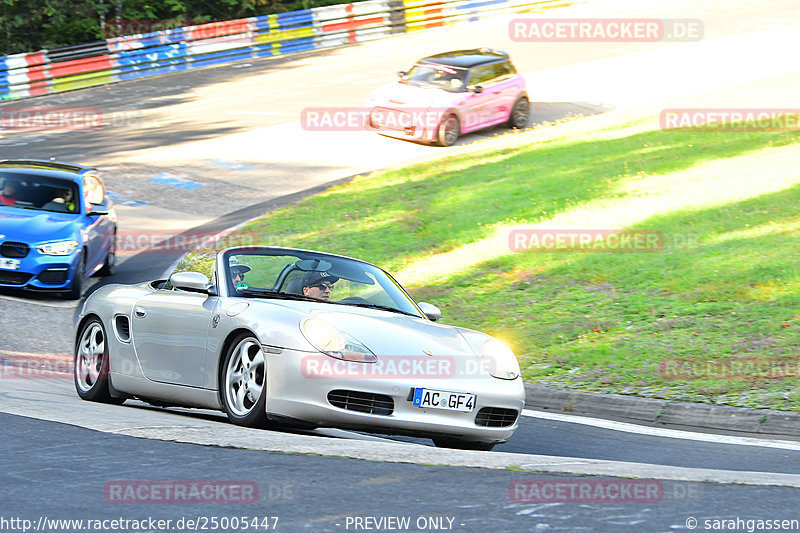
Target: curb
[662,412]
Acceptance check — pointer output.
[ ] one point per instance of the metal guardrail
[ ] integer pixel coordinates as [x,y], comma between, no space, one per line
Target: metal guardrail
[137,56]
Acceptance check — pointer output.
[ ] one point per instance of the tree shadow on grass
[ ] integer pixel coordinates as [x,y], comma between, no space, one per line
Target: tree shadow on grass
[451,203]
[729,291]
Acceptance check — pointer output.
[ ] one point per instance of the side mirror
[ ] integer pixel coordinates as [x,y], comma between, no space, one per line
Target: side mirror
[477,89]
[401,73]
[192,282]
[431,311]
[98,209]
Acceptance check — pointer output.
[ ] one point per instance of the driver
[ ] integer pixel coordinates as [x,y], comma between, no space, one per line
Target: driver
[8,195]
[318,284]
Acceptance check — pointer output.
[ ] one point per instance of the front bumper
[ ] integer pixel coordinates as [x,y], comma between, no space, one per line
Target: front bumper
[40,272]
[296,396]
[410,125]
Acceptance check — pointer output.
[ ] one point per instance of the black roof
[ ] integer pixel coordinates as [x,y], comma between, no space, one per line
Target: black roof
[28,173]
[466,58]
[41,164]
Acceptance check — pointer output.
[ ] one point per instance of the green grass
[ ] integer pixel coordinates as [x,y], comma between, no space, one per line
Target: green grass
[723,288]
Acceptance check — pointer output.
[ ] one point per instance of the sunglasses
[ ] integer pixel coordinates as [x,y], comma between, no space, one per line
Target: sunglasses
[323,286]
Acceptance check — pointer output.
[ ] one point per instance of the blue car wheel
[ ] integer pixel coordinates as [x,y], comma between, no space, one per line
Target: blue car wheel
[75,289]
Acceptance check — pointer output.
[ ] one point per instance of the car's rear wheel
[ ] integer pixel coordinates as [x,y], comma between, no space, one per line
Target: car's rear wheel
[92,364]
[446,442]
[520,113]
[448,131]
[75,289]
[243,382]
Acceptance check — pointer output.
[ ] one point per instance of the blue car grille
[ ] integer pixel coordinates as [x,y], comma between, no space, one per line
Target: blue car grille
[14,249]
[14,278]
[53,276]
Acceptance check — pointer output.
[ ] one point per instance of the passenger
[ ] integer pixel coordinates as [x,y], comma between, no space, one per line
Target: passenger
[64,197]
[237,273]
[318,284]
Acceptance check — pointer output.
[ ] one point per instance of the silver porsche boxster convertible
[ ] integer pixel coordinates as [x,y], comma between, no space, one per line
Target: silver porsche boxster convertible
[281,336]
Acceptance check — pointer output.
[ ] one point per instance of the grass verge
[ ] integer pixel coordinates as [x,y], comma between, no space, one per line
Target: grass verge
[711,315]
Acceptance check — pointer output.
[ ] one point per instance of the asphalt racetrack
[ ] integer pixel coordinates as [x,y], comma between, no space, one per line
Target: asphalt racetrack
[236,131]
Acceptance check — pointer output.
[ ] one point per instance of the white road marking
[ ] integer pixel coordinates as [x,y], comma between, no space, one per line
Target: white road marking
[344,434]
[663,432]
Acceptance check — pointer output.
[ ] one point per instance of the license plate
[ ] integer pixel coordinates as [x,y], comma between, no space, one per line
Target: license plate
[9,264]
[439,399]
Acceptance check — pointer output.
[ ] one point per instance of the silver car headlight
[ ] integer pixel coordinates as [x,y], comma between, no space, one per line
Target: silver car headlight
[334,342]
[499,360]
[58,248]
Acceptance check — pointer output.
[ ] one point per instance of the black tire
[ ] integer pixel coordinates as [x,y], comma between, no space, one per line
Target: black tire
[445,442]
[520,113]
[448,131]
[75,289]
[244,367]
[91,364]
[110,264]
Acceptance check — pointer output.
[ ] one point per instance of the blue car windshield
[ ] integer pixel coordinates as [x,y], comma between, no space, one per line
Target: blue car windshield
[38,193]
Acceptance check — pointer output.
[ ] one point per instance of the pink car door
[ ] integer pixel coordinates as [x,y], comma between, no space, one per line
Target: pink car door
[506,85]
[480,108]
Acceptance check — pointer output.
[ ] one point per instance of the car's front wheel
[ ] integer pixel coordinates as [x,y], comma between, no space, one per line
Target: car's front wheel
[75,289]
[446,442]
[520,113]
[448,131]
[111,258]
[243,382]
[92,364]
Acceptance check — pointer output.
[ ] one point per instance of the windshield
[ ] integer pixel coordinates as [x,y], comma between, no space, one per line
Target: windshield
[39,193]
[312,276]
[438,76]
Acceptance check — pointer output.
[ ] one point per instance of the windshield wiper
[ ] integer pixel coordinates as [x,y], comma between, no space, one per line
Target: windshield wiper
[381,307]
[272,293]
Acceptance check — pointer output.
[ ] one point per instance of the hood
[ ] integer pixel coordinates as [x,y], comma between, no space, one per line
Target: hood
[400,95]
[28,225]
[384,332]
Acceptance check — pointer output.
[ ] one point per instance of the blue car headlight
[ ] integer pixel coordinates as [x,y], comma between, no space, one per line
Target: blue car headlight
[58,248]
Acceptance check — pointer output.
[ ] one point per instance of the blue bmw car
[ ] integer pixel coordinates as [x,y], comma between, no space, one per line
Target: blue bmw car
[57,226]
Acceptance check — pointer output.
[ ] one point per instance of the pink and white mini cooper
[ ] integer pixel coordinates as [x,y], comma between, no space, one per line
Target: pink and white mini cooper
[448,94]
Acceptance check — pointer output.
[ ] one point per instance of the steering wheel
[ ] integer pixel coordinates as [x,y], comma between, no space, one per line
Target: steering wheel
[355,300]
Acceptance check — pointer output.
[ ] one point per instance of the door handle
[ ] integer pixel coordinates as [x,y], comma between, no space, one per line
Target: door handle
[139,312]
